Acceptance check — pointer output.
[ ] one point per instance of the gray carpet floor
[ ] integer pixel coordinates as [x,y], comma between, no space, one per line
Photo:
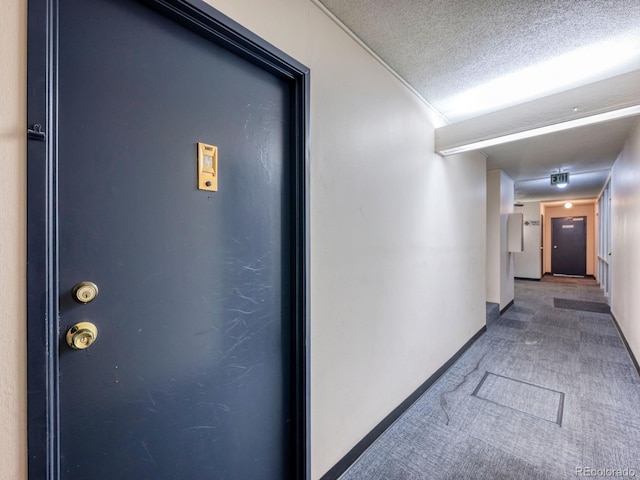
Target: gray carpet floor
[545,393]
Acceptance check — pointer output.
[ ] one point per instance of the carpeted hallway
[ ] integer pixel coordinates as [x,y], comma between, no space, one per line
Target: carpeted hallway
[545,393]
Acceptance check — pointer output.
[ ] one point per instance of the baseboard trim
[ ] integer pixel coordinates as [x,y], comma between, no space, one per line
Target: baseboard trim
[345,462]
[626,344]
[527,279]
[509,305]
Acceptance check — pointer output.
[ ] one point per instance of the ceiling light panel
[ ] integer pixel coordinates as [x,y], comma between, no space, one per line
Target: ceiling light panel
[557,127]
[443,48]
[577,67]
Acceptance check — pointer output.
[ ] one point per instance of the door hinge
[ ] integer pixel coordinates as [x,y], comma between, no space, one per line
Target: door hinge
[36,133]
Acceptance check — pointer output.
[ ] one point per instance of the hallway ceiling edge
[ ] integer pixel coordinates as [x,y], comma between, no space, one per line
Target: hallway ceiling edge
[453,53]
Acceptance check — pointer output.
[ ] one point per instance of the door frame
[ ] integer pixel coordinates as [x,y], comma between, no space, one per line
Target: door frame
[541,246]
[603,250]
[42,218]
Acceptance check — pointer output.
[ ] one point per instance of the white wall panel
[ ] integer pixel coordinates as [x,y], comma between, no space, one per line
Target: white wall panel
[13,88]
[500,272]
[625,240]
[515,237]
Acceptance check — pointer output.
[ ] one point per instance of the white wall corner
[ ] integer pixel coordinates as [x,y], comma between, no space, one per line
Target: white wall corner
[515,239]
[528,263]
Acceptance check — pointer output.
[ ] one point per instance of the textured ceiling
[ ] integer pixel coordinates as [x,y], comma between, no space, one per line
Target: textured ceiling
[445,48]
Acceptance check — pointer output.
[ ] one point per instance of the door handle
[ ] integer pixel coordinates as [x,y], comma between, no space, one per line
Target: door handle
[82,335]
[555,246]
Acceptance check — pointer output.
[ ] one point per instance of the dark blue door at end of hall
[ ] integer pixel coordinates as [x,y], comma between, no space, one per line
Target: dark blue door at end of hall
[569,246]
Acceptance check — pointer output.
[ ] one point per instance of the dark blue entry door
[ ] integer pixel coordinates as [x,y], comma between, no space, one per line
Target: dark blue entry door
[569,239]
[191,375]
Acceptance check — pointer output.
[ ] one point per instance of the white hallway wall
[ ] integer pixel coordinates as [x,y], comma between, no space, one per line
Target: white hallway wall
[625,240]
[397,232]
[13,91]
[500,272]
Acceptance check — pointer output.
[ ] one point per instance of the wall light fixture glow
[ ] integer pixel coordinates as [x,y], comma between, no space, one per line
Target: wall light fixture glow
[561,185]
[568,205]
[556,127]
[569,70]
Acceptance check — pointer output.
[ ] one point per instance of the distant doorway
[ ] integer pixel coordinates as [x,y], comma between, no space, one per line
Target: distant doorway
[569,246]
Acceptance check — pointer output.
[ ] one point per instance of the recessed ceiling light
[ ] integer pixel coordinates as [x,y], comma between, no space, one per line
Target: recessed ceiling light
[575,109]
[561,185]
[568,205]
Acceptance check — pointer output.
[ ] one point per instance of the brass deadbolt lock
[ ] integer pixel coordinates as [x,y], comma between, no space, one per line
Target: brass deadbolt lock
[82,335]
[85,292]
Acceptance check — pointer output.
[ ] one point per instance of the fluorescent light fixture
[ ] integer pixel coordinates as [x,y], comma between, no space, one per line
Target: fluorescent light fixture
[568,205]
[577,67]
[556,127]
